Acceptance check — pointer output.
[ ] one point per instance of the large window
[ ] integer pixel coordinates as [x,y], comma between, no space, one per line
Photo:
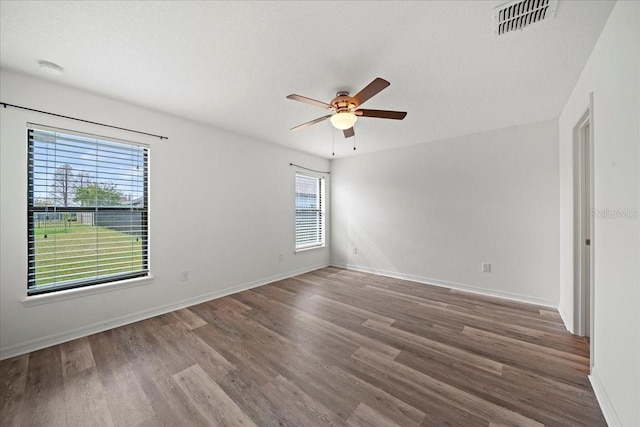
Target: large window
[309,211]
[87,210]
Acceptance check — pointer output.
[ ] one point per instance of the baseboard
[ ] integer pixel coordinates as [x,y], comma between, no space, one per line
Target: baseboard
[568,323]
[606,406]
[452,285]
[62,337]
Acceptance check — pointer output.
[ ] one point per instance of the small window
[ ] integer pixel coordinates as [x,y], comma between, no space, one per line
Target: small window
[87,210]
[309,211]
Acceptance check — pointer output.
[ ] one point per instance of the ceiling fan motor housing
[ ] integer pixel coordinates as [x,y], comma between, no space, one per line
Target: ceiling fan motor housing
[341,102]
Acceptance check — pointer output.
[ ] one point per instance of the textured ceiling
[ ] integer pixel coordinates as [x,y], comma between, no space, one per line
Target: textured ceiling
[231,64]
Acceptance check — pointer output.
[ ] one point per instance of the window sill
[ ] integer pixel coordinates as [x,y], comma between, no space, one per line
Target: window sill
[85,291]
[310,248]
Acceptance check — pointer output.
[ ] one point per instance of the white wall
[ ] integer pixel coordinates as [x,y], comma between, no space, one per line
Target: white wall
[435,212]
[612,74]
[222,207]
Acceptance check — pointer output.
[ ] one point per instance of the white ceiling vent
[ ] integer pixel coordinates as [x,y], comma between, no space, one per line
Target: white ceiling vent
[519,14]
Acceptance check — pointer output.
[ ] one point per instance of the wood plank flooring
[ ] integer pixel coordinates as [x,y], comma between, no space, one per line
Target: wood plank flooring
[330,347]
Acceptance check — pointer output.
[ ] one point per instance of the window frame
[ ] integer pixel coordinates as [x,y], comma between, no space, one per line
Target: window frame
[32,208]
[321,242]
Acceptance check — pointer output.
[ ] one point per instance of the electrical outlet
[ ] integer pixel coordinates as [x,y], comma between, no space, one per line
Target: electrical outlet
[184,275]
[355,251]
[486,267]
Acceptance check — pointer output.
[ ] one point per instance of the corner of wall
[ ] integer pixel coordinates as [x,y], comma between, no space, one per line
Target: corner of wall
[609,412]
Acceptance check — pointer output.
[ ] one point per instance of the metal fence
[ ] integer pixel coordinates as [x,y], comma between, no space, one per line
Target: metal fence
[127,222]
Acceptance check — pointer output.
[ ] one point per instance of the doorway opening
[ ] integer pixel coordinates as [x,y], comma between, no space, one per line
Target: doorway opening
[583,301]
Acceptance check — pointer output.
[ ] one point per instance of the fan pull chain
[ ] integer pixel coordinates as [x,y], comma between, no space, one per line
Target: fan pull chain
[354,143]
[333,134]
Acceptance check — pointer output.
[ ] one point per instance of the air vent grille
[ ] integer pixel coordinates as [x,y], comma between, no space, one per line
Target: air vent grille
[519,14]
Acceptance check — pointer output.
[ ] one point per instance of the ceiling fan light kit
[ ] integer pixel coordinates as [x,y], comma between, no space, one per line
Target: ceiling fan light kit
[346,108]
[343,120]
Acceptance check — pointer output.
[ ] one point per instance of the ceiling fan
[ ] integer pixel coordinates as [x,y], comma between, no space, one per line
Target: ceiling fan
[346,108]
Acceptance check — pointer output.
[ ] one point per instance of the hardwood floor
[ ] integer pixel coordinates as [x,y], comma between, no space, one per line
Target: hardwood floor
[332,346]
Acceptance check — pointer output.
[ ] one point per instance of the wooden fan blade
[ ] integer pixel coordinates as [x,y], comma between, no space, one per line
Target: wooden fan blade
[382,114]
[372,89]
[309,101]
[348,133]
[312,122]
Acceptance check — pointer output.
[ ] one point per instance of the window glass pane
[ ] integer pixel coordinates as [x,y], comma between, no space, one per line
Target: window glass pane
[309,211]
[87,203]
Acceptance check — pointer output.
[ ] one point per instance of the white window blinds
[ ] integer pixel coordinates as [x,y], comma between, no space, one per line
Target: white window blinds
[309,211]
[87,210]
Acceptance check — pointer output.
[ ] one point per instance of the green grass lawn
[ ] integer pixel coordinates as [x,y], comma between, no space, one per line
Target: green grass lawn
[80,251]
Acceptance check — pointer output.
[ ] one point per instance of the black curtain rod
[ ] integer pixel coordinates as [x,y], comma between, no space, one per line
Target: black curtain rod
[312,170]
[5,105]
